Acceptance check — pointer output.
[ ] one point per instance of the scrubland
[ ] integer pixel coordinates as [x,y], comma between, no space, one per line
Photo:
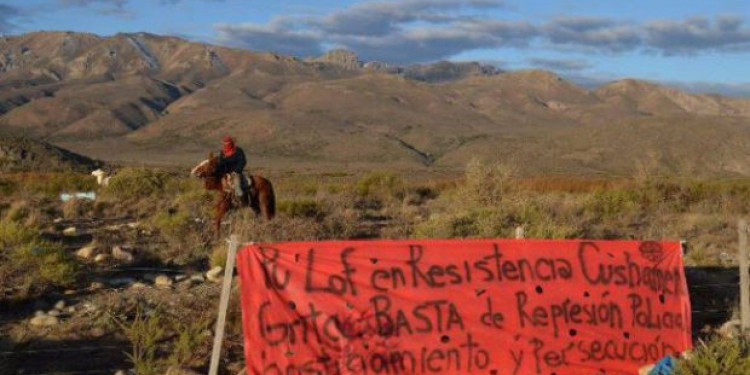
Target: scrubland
[163,218]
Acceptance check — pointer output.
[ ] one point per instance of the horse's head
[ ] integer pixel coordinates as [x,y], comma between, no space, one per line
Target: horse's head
[206,168]
[207,171]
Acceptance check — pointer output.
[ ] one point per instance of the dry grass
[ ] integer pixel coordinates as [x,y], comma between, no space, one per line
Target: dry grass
[489,201]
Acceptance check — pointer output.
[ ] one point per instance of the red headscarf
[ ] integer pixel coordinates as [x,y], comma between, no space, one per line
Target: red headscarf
[228,146]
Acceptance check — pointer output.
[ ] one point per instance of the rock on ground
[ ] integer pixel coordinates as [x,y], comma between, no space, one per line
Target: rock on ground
[138,285]
[215,274]
[44,321]
[86,252]
[163,281]
[121,255]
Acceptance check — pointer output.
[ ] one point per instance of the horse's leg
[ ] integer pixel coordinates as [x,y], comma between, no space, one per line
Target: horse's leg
[264,200]
[263,205]
[221,209]
[254,204]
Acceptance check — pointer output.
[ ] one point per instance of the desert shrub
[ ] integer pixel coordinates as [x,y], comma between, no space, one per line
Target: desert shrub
[7,187]
[190,346]
[342,223]
[612,203]
[47,261]
[185,224]
[218,255]
[195,200]
[309,208]
[145,333]
[173,224]
[187,237]
[338,223]
[551,229]
[458,225]
[419,195]
[726,356]
[76,208]
[13,233]
[487,183]
[137,183]
[281,228]
[39,262]
[381,185]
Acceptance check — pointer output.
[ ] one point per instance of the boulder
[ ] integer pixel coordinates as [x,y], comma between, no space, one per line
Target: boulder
[730,329]
[44,321]
[163,281]
[214,274]
[122,255]
[86,252]
[197,279]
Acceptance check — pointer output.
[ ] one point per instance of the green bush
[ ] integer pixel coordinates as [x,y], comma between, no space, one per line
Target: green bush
[138,183]
[725,356]
[190,347]
[458,225]
[14,234]
[382,185]
[145,333]
[40,262]
[185,223]
[49,262]
[487,184]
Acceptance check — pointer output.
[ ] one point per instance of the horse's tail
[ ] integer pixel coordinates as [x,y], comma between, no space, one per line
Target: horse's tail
[266,198]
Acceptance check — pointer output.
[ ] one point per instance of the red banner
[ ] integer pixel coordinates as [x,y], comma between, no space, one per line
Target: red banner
[462,306]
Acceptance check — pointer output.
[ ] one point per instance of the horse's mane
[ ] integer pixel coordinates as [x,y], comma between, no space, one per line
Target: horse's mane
[200,165]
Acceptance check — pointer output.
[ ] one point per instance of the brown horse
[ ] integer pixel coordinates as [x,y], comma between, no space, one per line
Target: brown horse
[262,199]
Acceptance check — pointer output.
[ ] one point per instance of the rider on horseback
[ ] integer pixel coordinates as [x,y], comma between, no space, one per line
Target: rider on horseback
[232,161]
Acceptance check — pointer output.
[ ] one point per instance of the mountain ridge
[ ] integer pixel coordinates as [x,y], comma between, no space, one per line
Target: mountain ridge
[136,93]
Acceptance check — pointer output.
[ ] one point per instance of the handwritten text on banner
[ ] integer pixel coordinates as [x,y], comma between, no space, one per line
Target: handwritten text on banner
[505,307]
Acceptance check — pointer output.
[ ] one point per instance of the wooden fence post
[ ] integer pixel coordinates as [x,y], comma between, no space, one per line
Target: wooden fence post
[744,277]
[519,232]
[226,289]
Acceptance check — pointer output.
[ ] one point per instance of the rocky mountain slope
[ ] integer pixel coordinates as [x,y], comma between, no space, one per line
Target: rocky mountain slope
[148,98]
[20,153]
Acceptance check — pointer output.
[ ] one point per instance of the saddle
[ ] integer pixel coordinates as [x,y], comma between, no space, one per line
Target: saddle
[229,182]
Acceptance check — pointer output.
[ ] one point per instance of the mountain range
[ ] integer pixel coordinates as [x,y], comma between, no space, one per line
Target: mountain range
[162,100]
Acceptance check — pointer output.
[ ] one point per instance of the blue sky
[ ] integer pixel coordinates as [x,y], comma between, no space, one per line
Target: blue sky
[698,44]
